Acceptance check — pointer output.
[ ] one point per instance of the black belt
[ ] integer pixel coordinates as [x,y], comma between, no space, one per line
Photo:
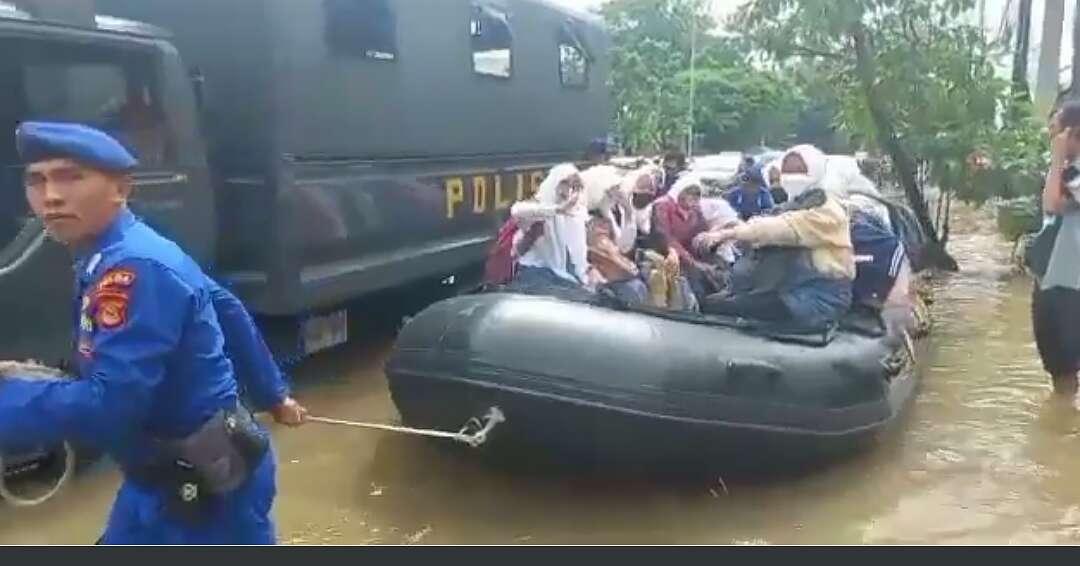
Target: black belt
[213,461]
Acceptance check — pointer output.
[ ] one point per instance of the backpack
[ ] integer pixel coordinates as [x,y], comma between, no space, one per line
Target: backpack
[502,259]
[879,254]
[907,229]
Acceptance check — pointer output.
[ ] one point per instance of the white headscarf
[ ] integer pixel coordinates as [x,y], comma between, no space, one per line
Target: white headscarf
[844,180]
[599,181]
[843,176]
[629,222]
[816,167]
[656,171]
[683,183]
[630,181]
[548,193]
[718,212]
[564,234]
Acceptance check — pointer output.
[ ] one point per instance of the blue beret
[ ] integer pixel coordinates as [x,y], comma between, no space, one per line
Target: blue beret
[38,141]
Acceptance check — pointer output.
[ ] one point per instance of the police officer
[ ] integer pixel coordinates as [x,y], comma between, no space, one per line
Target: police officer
[163,354]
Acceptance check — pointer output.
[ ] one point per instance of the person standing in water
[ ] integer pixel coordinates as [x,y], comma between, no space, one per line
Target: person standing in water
[1056,298]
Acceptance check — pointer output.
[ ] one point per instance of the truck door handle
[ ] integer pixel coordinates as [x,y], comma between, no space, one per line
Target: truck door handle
[158,179]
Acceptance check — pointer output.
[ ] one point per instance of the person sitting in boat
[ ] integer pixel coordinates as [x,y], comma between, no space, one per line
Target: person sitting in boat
[659,266]
[674,164]
[719,215]
[657,173]
[751,196]
[803,266]
[679,218]
[883,275]
[644,184]
[617,273]
[557,259]
[609,197]
[659,177]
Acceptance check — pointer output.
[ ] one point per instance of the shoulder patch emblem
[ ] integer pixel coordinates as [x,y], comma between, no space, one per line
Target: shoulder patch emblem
[110,310]
[116,279]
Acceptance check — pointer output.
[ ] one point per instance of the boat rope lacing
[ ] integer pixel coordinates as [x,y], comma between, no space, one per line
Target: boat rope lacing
[20,501]
[474,432]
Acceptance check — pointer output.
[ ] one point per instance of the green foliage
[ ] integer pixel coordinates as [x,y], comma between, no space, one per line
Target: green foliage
[735,108]
[736,104]
[650,48]
[933,74]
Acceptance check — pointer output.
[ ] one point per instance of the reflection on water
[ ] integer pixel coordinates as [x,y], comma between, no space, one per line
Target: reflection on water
[983,457]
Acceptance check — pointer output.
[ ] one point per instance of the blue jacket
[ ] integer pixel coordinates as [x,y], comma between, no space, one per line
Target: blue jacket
[159,348]
[750,207]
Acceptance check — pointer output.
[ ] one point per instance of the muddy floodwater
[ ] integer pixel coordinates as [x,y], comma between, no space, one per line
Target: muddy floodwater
[984,457]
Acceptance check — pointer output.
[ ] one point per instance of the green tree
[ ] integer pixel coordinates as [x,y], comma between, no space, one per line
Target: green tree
[650,48]
[916,80]
[735,103]
[736,107]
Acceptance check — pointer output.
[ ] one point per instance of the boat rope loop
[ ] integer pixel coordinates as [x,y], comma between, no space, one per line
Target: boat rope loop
[474,433]
[19,501]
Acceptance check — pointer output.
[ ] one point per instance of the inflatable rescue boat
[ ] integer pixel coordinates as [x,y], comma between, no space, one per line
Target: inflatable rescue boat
[585,384]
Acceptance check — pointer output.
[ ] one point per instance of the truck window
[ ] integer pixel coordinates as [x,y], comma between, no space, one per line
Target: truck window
[491,39]
[573,59]
[361,28]
[111,89]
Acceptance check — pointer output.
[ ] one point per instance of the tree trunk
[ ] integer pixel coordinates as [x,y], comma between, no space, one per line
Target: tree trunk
[1048,75]
[1074,87]
[940,208]
[946,224]
[1023,47]
[906,168]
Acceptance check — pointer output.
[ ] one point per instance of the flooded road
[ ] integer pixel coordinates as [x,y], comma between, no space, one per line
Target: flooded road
[984,457]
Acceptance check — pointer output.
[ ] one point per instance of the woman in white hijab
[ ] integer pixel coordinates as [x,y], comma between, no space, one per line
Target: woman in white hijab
[609,196]
[678,218]
[803,167]
[843,177]
[558,257]
[817,288]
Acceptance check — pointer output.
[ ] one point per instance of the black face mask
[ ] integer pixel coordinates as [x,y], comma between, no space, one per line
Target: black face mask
[640,201]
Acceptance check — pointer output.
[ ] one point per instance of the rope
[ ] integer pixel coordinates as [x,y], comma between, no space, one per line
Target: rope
[17,501]
[483,426]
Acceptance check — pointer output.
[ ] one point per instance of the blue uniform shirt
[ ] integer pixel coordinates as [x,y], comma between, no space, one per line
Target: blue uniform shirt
[151,351]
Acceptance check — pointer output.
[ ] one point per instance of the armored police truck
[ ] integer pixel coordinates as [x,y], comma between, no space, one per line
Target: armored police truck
[307,152]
